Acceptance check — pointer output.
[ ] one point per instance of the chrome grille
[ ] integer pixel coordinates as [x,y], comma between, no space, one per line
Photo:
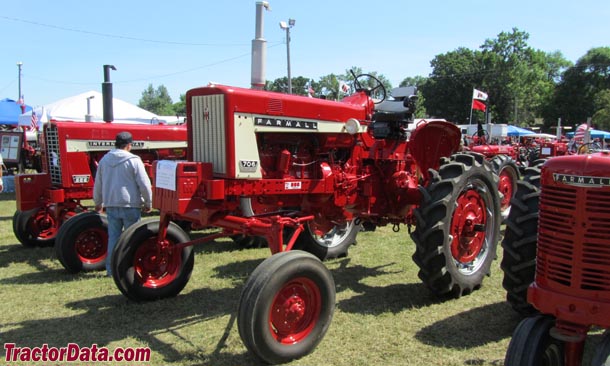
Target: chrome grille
[208,129]
[53,154]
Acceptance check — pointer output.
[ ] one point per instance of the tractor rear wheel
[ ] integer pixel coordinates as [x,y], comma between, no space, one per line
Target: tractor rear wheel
[286,306]
[333,244]
[508,172]
[520,241]
[82,242]
[532,344]
[458,225]
[143,270]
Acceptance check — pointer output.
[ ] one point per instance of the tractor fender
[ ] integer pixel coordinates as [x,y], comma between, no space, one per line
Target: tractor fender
[430,141]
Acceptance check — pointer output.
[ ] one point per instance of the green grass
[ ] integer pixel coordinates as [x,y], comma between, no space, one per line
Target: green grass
[383,316]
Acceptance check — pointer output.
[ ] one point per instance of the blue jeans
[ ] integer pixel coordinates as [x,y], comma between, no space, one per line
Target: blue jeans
[119,218]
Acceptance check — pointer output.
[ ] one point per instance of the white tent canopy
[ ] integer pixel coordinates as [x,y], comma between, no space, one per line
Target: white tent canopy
[75,108]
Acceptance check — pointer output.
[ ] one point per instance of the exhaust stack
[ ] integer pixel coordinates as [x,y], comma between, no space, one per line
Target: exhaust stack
[107,94]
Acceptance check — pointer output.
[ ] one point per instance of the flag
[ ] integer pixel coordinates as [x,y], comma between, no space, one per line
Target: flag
[34,121]
[581,130]
[343,87]
[479,95]
[478,100]
[478,105]
[309,89]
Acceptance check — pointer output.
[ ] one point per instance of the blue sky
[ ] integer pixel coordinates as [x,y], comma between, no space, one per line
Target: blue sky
[185,44]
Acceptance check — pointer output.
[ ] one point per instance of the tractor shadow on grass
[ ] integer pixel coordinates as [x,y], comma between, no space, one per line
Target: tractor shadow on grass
[476,327]
[159,325]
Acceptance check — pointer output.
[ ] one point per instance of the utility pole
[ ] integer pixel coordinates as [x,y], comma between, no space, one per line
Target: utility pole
[287,27]
[19,64]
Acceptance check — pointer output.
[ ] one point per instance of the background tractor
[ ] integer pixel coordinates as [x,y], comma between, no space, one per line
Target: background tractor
[306,173]
[556,260]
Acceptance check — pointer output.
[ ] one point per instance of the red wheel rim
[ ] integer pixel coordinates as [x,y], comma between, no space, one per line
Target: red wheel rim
[43,226]
[156,267]
[91,245]
[467,225]
[295,310]
[505,186]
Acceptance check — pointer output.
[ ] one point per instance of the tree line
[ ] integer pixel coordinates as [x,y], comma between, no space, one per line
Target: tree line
[525,86]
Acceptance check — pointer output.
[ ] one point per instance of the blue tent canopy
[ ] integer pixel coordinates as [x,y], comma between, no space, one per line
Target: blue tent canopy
[517,131]
[595,134]
[10,111]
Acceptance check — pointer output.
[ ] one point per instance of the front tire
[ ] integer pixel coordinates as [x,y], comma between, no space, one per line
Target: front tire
[286,307]
[458,226]
[532,345]
[601,356]
[82,242]
[144,272]
[35,227]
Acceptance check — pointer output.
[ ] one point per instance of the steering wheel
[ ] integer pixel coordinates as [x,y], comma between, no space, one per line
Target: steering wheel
[483,139]
[588,147]
[378,89]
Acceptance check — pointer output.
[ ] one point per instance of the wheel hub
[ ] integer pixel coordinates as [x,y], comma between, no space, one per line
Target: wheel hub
[294,311]
[468,227]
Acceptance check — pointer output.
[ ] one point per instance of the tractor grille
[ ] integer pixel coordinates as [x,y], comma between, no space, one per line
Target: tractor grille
[53,154]
[208,129]
[574,238]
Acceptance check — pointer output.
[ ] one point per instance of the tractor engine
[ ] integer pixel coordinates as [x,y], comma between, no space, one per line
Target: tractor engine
[573,258]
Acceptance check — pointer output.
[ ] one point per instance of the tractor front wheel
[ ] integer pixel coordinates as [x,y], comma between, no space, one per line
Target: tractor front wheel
[82,242]
[458,225]
[36,227]
[601,356]
[286,306]
[532,344]
[145,270]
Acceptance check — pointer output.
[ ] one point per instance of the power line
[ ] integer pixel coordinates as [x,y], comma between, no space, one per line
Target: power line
[152,77]
[117,36]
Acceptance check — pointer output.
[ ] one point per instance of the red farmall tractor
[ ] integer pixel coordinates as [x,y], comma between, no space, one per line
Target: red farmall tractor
[306,173]
[504,159]
[70,152]
[556,260]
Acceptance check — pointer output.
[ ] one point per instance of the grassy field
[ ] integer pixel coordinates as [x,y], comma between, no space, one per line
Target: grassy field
[383,316]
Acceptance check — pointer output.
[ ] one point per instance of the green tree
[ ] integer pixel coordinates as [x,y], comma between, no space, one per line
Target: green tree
[157,101]
[520,79]
[180,107]
[280,85]
[575,96]
[601,118]
[448,89]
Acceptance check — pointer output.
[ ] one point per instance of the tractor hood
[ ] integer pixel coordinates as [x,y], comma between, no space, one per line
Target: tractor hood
[432,140]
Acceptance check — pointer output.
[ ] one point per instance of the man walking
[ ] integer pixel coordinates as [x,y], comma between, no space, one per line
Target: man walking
[123,188]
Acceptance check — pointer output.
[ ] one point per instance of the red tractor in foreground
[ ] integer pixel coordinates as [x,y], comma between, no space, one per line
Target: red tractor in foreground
[306,174]
[70,152]
[557,253]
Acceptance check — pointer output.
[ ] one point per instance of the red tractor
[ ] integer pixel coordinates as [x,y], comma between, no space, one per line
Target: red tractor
[70,152]
[505,161]
[556,260]
[306,173]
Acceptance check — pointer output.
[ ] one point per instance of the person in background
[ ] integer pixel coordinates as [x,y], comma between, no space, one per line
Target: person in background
[123,189]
